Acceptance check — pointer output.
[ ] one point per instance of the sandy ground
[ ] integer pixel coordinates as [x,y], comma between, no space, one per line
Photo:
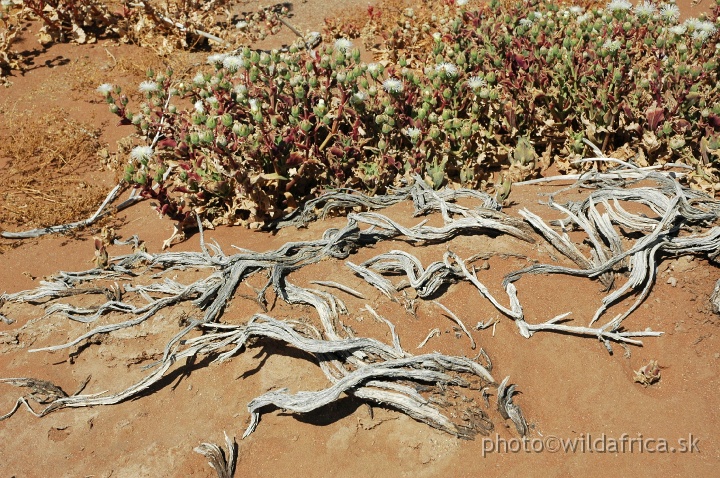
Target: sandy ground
[571,388]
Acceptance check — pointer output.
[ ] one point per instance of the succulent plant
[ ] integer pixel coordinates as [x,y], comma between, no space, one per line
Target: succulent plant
[489,88]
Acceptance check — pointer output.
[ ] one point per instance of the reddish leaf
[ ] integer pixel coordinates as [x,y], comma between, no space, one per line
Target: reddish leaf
[167,143]
[714,121]
[682,125]
[520,60]
[627,111]
[655,116]
[295,158]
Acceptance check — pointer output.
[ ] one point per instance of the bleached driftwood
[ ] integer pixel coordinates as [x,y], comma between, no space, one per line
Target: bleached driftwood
[681,223]
[101,212]
[223,463]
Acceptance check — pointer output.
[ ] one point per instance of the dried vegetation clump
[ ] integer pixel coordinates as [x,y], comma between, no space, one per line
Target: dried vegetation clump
[163,26]
[459,93]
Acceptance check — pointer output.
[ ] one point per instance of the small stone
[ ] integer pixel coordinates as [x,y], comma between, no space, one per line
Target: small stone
[672,281]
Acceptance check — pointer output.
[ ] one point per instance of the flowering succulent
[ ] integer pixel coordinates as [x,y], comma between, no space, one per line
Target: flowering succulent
[670,12]
[619,6]
[472,92]
[413,133]
[343,44]
[446,69]
[612,45]
[148,87]
[233,63]
[645,9]
[475,83]
[217,58]
[392,85]
[678,30]
[141,153]
[105,89]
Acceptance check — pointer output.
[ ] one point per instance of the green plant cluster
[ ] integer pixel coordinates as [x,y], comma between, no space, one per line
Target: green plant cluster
[502,87]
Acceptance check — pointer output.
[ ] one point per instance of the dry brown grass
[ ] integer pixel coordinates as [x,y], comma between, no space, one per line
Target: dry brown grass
[48,161]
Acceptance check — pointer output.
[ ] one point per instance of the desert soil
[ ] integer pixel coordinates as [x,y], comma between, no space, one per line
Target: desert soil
[570,387]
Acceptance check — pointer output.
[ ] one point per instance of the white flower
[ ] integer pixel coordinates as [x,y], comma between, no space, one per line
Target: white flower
[393,85]
[461,3]
[618,5]
[140,153]
[199,107]
[584,17]
[374,68]
[437,36]
[692,23]
[241,25]
[216,58]
[645,9]
[701,35]
[233,63]
[703,31]
[670,12]
[708,27]
[358,97]
[678,30]
[343,44]
[575,10]
[240,90]
[526,22]
[612,45]
[253,105]
[537,15]
[446,68]
[105,89]
[148,87]
[295,80]
[413,133]
[199,79]
[212,101]
[475,82]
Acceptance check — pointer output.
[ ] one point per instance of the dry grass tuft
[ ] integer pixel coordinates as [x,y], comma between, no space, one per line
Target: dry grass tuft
[46,162]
